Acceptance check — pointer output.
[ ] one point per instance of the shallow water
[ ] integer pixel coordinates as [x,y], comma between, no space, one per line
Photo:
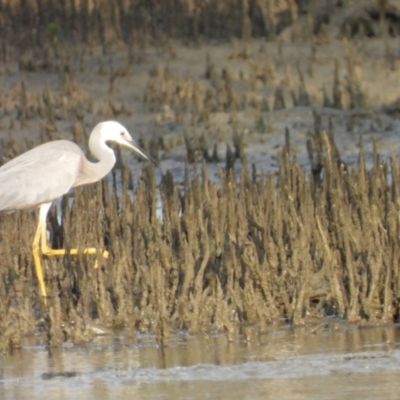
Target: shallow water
[335,362]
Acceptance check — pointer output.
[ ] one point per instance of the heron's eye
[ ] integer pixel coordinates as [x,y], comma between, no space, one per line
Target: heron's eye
[122,133]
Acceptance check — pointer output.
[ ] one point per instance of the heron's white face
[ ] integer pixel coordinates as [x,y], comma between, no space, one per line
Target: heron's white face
[124,137]
[114,132]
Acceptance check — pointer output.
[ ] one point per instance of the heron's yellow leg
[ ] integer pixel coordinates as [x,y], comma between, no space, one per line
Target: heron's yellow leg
[40,243]
[35,252]
[48,251]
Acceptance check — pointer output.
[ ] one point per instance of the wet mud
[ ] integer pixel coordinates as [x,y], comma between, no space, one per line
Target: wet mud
[278,363]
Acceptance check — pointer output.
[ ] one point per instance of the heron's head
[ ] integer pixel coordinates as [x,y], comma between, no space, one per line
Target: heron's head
[112,131]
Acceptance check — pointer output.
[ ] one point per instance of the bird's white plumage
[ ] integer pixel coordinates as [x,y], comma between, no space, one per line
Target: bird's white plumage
[40,175]
[48,171]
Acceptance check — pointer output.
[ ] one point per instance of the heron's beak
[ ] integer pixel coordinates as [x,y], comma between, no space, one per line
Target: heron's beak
[133,146]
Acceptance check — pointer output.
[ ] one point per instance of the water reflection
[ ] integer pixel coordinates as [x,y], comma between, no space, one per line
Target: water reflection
[336,362]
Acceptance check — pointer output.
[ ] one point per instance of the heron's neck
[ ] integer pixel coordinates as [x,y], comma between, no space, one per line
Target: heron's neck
[94,171]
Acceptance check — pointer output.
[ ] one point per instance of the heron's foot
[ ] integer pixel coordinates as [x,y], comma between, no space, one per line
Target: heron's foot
[48,251]
[105,255]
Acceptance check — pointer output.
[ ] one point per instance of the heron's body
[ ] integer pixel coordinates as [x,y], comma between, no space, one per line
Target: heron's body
[19,189]
[39,176]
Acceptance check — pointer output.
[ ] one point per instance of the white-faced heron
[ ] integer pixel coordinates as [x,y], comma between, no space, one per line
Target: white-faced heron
[39,176]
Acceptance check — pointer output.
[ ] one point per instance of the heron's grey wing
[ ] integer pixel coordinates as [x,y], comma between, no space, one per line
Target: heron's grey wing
[40,175]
